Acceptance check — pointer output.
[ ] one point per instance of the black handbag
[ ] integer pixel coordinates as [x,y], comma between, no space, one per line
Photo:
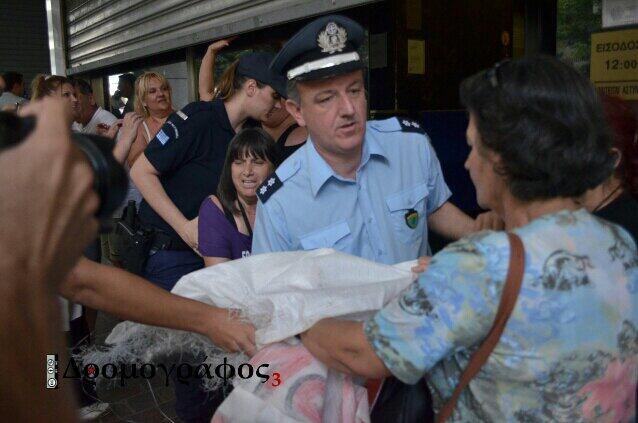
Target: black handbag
[401,403]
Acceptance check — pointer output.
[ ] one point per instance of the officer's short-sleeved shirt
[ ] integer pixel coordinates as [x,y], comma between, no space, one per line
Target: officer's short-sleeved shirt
[380,216]
[189,153]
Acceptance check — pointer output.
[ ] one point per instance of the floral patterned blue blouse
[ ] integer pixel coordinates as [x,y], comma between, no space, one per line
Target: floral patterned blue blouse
[569,352]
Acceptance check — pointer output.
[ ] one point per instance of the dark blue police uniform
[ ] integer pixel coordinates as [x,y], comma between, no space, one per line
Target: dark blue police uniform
[189,153]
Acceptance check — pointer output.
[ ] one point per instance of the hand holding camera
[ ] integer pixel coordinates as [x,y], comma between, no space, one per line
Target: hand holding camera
[54,190]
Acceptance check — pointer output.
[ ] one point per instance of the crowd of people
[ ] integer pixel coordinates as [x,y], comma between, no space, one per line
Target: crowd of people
[278,155]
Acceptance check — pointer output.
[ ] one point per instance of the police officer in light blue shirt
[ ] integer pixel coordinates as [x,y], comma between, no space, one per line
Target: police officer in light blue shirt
[365,188]
[379,214]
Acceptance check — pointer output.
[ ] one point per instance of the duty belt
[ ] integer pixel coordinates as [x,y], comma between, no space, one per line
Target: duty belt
[163,241]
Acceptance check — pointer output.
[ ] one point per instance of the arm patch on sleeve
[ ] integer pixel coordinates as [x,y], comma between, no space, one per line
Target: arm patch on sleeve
[162,137]
[271,184]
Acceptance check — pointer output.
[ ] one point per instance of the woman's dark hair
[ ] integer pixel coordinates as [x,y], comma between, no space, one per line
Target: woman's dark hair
[545,122]
[12,78]
[250,142]
[624,127]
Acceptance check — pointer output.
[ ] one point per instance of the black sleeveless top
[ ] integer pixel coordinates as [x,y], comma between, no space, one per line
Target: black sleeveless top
[286,150]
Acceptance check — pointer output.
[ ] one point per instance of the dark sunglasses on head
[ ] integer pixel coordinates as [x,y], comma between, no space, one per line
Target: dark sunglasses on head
[492,74]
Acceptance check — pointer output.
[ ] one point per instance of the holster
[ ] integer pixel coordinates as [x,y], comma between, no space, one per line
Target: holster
[130,241]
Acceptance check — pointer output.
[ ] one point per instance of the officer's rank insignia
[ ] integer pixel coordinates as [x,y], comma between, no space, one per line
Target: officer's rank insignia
[332,39]
[408,125]
[268,187]
[412,218]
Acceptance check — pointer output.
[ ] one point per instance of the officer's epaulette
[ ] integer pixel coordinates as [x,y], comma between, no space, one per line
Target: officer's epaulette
[276,180]
[194,107]
[271,184]
[176,120]
[409,125]
[396,124]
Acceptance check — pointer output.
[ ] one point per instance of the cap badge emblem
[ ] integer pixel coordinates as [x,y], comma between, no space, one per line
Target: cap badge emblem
[332,39]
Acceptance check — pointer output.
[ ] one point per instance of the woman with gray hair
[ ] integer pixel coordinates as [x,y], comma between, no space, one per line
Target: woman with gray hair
[534,324]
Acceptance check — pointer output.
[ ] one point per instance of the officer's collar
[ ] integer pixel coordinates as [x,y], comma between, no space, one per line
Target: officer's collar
[320,170]
[220,110]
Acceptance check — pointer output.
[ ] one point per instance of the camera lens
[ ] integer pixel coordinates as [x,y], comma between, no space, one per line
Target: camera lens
[110,179]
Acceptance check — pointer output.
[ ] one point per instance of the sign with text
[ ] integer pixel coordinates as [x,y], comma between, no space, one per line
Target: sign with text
[614,63]
[619,13]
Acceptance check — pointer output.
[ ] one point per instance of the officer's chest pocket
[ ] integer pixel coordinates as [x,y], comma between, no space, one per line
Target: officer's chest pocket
[335,236]
[407,212]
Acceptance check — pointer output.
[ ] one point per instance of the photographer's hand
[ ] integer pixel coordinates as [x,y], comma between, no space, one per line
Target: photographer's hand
[48,203]
[47,206]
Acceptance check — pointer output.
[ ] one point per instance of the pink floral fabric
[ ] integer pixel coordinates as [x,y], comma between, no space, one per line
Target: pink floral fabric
[300,389]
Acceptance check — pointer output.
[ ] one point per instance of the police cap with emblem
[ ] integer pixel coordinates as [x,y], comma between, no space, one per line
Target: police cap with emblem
[325,47]
[255,66]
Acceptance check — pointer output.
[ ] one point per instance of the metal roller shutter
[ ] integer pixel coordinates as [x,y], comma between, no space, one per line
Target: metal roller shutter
[104,32]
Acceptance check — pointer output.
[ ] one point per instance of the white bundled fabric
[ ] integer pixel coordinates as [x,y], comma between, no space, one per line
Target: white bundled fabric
[284,294]
[281,294]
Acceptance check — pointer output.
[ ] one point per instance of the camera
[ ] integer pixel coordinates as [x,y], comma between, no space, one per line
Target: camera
[110,181]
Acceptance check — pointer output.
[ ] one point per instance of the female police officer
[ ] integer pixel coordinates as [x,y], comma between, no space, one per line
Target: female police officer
[180,168]
[181,165]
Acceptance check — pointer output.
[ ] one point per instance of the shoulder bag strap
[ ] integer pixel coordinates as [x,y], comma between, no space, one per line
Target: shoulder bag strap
[245,217]
[228,214]
[508,301]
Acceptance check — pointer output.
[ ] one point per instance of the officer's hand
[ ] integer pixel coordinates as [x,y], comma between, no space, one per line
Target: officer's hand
[228,332]
[422,264]
[189,233]
[47,202]
[488,221]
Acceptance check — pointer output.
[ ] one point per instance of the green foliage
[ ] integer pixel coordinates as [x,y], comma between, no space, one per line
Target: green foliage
[576,22]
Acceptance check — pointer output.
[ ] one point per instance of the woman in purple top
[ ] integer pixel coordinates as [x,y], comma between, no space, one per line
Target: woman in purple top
[226,220]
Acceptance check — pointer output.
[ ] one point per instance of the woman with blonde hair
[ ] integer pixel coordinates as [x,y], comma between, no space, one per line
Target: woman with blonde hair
[153,101]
